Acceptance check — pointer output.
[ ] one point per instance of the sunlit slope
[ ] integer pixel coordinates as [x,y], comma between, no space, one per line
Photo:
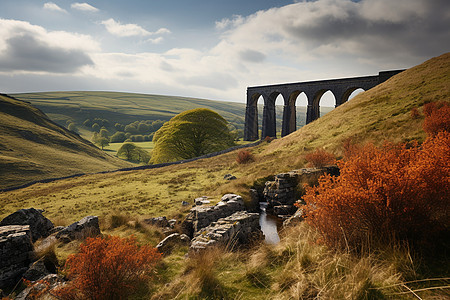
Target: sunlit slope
[382,113]
[123,107]
[33,148]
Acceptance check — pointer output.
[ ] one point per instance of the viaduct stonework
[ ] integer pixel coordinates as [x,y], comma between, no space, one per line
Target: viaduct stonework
[341,89]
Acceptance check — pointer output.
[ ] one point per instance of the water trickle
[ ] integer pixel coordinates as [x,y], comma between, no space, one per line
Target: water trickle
[268,225]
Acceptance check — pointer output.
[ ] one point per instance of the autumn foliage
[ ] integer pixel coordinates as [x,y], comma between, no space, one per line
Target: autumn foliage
[319,158]
[437,117]
[107,268]
[245,156]
[382,193]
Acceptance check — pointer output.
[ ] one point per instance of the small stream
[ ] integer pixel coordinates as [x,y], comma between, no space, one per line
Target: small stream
[268,225]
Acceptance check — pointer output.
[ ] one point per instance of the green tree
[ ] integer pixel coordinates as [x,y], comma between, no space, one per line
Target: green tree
[102,142]
[118,137]
[190,134]
[96,127]
[104,133]
[131,152]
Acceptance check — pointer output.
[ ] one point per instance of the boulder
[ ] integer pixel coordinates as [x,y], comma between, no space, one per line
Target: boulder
[40,268]
[295,219]
[201,200]
[229,177]
[86,227]
[284,210]
[16,253]
[167,244]
[40,226]
[158,221]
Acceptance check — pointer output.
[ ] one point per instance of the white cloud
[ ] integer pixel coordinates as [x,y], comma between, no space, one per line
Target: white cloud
[29,48]
[52,6]
[127,30]
[84,7]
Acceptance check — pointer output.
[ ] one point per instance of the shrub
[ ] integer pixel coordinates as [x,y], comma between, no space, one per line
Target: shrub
[109,268]
[320,158]
[245,156]
[437,117]
[415,114]
[383,193]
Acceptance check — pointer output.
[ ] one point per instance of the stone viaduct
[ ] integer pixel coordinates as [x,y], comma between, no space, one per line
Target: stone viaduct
[341,89]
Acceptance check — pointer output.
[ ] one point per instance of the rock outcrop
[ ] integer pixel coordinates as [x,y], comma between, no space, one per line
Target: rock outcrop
[175,239]
[40,226]
[201,216]
[238,228]
[283,192]
[16,253]
[86,227]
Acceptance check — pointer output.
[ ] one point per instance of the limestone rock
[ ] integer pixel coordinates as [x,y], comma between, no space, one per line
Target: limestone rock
[16,253]
[158,221]
[40,226]
[295,219]
[86,227]
[283,189]
[166,245]
[238,228]
[39,269]
[284,210]
[202,200]
[201,216]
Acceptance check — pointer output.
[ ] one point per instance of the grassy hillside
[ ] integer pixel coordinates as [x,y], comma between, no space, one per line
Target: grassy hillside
[297,267]
[32,147]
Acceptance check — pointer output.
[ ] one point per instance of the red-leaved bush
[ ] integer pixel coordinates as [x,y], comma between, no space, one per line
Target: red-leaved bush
[245,156]
[437,117]
[382,193]
[107,268]
[320,158]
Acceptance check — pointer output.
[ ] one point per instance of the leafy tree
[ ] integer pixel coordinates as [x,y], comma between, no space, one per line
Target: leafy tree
[96,127]
[143,128]
[130,128]
[118,137]
[87,123]
[72,127]
[102,142]
[104,133]
[119,127]
[131,152]
[190,134]
[157,125]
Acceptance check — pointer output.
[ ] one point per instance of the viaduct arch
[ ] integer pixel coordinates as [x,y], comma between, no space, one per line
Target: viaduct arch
[341,88]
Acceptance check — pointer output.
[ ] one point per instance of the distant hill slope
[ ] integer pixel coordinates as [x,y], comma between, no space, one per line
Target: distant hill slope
[32,147]
[124,107]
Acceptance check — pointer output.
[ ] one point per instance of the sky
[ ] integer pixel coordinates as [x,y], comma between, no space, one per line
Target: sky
[211,49]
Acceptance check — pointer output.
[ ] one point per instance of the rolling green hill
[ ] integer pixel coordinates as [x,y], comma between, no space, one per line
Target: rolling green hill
[32,147]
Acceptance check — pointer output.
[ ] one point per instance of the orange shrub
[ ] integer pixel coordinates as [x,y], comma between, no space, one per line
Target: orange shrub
[437,117]
[109,268]
[320,158]
[415,114]
[383,193]
[244,156]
